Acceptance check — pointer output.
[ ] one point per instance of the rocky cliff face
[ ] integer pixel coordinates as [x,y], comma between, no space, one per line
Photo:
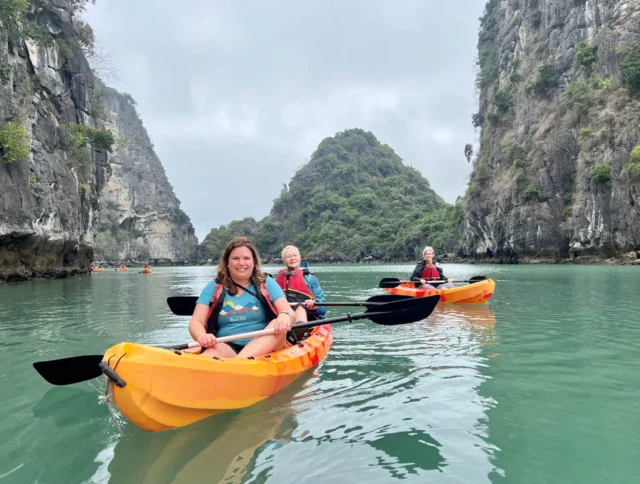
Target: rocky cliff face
[139,217]
[57,153]
[556,174]
[44,214]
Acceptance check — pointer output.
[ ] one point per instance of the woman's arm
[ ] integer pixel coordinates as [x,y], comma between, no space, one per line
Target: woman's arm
[282,323]
[417,272]
[198,327]
[316,289]
[442,276]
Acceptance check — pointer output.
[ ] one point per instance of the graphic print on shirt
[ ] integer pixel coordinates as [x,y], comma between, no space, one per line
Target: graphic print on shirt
[236,313]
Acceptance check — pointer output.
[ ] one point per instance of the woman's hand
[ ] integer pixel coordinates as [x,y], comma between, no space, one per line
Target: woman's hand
[207,340]
[449,280]
[423,281]
[310,304]
[281,324]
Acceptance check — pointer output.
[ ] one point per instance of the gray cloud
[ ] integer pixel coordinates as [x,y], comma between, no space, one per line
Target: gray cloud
[237,95]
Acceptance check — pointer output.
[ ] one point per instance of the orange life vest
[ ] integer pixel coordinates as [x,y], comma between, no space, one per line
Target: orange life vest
[430,272]
[294,286]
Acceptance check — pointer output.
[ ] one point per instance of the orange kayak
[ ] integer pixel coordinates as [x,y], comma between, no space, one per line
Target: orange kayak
[167,389]
[98,269]
[122,270]
[146,271]
[478,292]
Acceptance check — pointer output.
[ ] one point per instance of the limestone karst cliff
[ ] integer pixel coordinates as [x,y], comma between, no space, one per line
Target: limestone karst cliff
[139,218]
[65,145]
[556,174]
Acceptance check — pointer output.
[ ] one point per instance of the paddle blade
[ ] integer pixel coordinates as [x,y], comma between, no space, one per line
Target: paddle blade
[182,305]
[386,298]
[403,312]
[477,278]
[67,371]
[389,282]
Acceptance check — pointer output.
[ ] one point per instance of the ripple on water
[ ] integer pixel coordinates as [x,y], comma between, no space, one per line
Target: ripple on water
[394,386]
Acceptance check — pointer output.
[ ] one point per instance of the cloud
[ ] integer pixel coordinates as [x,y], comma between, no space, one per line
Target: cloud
[237,95]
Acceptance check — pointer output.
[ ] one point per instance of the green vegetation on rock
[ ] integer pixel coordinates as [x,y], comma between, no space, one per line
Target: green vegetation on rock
[633,167]
[587,56]
[354,200]
[14,142]
[546,80]
[601,173]
[488,62]
[630,67]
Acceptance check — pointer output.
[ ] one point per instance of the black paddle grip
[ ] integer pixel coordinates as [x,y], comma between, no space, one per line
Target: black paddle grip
[112,375]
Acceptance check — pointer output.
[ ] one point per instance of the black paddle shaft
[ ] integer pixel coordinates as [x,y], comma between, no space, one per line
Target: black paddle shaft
[185,305]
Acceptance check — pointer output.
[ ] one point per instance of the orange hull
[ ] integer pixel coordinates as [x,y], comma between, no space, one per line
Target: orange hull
[478,292]
[146,271]
[101,269]
[167,390]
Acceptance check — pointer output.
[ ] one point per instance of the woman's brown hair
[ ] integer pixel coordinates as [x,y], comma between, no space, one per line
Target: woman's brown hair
[224,277]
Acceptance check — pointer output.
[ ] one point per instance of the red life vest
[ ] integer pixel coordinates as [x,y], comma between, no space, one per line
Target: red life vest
[294,286]
[218,301]
[430,272]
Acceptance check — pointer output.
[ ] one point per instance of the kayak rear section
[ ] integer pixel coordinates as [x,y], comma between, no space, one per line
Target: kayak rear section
[478,292]
[168,389]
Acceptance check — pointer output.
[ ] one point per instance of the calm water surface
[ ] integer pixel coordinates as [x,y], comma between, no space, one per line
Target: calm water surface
[540,385]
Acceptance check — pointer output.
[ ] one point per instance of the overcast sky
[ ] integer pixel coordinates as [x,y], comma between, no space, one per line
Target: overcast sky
[236,95]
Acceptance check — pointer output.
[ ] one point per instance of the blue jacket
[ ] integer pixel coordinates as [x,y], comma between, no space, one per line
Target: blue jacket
[314,285]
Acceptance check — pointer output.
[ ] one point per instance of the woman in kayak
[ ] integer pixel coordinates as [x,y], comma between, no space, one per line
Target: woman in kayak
[300,286]
[427,270]
[241,299]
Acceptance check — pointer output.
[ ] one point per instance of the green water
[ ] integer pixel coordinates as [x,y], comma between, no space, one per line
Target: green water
[540,385]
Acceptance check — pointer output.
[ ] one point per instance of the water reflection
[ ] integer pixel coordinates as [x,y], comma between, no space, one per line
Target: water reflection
[402,402]
[66,406]
[478,319]
[218,449]
[407,452]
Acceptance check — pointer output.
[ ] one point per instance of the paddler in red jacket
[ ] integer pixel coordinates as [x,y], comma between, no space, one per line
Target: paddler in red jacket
[427,270]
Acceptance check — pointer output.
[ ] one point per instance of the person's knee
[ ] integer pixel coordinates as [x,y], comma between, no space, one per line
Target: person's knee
[221,350]
[301,314]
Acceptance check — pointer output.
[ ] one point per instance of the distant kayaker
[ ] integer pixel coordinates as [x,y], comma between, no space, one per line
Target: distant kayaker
[427,270]
[241,299]
[300,286]
[147,267]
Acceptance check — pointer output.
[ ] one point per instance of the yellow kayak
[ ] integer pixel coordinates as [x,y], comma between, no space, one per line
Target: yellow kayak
[146,271]
[122,269]
[478,292]
[167,389]
[98,269]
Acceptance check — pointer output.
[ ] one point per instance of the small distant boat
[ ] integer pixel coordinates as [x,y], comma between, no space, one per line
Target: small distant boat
[122,269]
[146,271]
[97,269]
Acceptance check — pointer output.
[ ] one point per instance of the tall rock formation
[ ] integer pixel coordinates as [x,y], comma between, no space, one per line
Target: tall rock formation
[556,174]
[140,218]
[354,201]
[56,150]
